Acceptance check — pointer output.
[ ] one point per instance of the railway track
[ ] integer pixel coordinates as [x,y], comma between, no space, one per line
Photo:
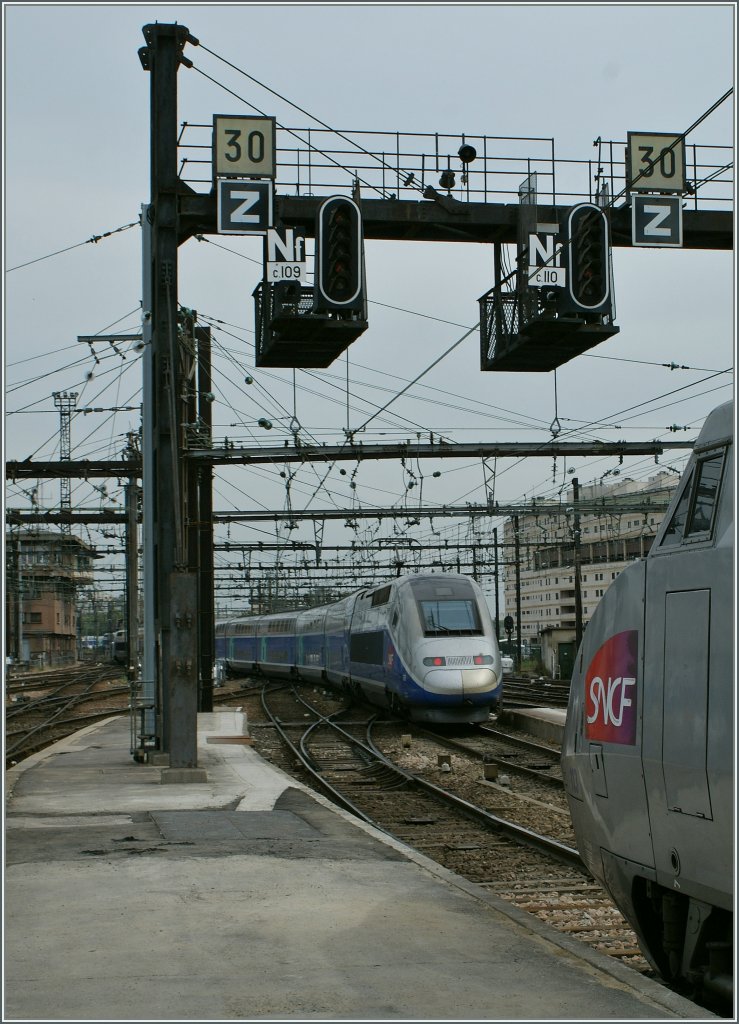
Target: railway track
[507,830]
[509,753]
[522,692]
[46,707]
[403,780]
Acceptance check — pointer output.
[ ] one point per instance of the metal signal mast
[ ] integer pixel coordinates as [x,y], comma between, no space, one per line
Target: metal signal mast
[65,402]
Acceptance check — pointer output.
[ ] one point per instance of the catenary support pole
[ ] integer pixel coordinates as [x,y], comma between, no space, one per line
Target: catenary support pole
[175,587]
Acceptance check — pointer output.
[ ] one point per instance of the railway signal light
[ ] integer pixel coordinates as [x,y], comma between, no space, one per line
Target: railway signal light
[588,257]
[339,278]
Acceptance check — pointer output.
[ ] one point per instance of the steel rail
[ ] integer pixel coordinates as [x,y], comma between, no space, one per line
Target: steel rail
[49,723]
[525,836]
[516,769]
[308,763]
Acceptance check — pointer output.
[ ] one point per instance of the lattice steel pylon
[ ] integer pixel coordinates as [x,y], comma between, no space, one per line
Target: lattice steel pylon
[65,402]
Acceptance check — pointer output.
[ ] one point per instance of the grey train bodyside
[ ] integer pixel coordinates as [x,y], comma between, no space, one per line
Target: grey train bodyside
[423,645]
[648,752]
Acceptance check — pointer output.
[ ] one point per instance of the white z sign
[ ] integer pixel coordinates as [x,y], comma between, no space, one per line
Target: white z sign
[656,220]
[244,207]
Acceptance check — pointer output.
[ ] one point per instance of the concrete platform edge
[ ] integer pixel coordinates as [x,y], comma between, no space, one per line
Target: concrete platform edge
[599,962]
[12,775]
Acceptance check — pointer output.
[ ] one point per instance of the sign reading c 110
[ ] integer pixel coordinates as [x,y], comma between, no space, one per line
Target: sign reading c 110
[244,146]
[545,256]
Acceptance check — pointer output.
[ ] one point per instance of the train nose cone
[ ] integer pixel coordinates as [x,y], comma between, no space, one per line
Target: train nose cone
[443,680]
[455,680]
[478,680]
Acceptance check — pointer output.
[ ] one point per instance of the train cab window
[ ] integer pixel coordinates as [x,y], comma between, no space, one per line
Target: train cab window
[695,513]
[706,492]
[457,616]
[381,596]
[676,527]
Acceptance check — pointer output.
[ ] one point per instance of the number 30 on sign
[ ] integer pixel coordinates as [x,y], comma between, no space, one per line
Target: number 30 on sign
[243,146]
[655,162]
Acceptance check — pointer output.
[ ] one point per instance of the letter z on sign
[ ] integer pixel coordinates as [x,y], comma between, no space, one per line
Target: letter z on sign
[656,220]
[244,207]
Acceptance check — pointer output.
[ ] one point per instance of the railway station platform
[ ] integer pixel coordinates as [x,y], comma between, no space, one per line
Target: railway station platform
[247,897]
[541,723]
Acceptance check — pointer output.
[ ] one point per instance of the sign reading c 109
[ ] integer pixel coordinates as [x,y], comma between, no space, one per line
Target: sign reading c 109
[244,146]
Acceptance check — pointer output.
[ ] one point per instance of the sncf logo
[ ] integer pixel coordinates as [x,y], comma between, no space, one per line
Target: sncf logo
[610,690]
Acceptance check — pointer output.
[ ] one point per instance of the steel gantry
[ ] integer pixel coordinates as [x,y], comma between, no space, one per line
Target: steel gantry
[176,472]
[231,454]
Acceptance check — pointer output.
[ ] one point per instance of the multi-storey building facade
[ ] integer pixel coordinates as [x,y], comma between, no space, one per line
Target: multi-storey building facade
[44,571]
[611,536]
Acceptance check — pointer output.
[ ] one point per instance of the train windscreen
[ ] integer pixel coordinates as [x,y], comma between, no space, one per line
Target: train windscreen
[442,617]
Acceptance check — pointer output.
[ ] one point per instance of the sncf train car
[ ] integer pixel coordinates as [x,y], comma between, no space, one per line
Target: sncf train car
[422,645]
[648,753]
[121,653]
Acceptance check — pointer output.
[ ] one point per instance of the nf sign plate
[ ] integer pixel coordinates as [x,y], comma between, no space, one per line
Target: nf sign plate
[285,255]
[244,207]
[655,162]
[657,220]
[545,256]
[243,146]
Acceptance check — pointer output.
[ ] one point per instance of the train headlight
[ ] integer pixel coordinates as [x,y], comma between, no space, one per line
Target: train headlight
[436,662]
[483,659]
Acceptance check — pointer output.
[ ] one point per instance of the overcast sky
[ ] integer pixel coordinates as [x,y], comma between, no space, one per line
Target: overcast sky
[76,166]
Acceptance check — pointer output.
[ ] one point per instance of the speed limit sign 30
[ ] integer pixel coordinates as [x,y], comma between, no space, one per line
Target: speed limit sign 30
[655,162]
[243,146]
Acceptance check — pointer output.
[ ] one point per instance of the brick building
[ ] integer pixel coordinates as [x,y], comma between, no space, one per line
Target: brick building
[43,574]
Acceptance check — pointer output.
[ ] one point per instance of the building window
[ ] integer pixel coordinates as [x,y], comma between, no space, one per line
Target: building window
[36,617]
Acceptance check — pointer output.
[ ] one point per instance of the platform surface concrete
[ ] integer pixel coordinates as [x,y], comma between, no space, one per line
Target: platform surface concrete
[246,897]
[541,723]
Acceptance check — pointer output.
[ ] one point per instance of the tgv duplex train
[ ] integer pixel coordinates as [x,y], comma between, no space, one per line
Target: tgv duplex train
[422,645]
[648,752]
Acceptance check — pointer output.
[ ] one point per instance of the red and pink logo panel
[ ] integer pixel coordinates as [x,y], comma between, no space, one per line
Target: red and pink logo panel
[611,690]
